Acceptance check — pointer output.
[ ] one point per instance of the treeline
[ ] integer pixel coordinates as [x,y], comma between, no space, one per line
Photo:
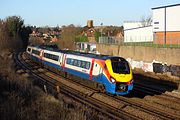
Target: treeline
[63,37]
[14,34]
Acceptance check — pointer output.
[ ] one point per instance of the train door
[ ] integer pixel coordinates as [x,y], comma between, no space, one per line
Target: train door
[97,70]
[61,60]
[41,55]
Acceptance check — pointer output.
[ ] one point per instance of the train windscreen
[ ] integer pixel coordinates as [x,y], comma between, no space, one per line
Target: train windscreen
[120,66]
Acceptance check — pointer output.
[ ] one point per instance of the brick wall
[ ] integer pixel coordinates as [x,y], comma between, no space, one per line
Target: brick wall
[171,37]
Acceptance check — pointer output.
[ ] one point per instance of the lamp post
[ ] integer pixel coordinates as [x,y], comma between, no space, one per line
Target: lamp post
[101,29]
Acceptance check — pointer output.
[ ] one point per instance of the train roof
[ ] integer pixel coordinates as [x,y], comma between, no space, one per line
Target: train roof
[90,55]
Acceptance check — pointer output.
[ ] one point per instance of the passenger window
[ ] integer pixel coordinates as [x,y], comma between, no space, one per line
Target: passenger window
[36,52]
[87,65]
[79,63]
[83,65]
[75,63]
[52,57]
[68,61]
[72,62]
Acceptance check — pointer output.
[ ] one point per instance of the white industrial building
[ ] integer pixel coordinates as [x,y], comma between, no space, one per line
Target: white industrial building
[135,32]
[165,27]
[166,24]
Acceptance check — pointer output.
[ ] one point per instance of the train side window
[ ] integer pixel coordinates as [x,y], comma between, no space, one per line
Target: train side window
[83,65]
[36,52]
[87,65]
[79,63]
[55,57]
[75,62]
[46,55]
[52,57]
[72,62]
[68,61]
[59,58]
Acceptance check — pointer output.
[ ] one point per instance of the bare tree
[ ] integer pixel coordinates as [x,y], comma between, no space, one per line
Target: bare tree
[68,36]
[146,21]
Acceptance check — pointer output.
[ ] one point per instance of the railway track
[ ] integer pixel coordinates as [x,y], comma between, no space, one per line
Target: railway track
[116,107]
[147,90]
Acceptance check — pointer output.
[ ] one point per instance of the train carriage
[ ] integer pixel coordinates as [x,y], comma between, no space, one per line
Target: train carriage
[52,59]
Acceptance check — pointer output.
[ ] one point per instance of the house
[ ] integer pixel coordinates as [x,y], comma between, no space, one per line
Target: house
[89,31]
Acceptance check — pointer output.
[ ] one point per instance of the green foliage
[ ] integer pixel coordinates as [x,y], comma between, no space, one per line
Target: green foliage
[97,35]
[81,38]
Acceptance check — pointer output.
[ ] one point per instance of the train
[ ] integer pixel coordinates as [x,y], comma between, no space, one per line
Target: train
[112,73]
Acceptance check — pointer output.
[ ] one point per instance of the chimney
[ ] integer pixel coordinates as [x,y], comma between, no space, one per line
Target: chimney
[90,23]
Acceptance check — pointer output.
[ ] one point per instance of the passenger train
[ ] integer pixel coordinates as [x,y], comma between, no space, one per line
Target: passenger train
[114,73]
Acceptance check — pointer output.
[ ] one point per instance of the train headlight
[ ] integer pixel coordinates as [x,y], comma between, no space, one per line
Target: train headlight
[113,80]
[130,82]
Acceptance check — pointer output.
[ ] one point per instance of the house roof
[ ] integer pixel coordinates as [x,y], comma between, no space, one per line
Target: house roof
[165,6]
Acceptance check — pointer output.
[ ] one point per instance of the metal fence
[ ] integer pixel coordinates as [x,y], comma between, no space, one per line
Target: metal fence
[110,40]
[172,42]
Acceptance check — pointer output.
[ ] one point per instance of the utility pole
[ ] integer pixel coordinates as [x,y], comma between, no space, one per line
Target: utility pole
[101,29]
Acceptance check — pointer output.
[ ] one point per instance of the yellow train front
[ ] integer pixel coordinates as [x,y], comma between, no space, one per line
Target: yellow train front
[117,76]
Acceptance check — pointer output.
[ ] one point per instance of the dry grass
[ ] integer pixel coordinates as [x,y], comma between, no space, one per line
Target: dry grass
[20,99]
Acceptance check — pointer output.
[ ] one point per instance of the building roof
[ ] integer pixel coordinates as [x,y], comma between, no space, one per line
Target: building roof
[165,6]
[138,28]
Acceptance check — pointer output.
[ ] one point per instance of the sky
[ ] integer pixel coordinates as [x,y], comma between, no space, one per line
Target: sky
[64,12]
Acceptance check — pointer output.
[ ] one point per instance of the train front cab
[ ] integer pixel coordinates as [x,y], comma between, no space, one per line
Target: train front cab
[120,76]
